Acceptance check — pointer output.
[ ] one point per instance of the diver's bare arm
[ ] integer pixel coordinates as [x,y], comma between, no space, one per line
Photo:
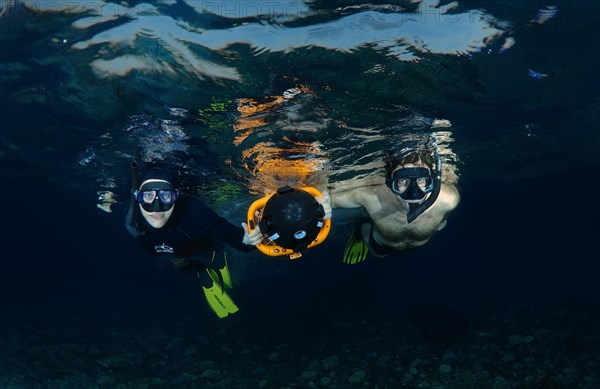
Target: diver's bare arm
[450,199]
[325,201]
[345,199]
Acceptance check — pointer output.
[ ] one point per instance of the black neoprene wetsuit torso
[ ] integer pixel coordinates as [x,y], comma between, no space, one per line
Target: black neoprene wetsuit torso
[192,228]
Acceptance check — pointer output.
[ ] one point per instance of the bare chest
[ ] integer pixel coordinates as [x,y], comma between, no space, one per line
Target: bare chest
[395,230]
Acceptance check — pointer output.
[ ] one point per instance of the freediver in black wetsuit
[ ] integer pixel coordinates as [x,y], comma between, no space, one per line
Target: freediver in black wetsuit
[185,231]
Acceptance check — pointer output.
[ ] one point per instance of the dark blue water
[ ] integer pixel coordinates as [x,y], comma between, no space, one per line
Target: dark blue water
[506,296]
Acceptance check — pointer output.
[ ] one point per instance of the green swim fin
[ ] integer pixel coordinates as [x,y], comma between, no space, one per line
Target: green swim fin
[217,298]
[220,271]
[356,248]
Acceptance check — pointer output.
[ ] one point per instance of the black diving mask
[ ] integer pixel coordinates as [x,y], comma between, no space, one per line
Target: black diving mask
[156,196]
[411,183]
[414,183]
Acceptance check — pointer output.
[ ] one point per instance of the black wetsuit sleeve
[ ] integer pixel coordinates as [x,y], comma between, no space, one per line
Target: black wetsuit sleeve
[200,222]
[228,233]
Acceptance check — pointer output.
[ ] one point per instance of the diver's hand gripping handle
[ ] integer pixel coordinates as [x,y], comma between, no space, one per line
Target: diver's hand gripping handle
[252,236]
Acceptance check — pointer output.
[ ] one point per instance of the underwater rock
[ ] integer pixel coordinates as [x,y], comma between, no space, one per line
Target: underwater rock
[313,365]
[589,380]
[146,383]
[330,362]
[204,340]
[528,339]
[116,361]
[185,379]
[448,355]
[211,374]
[273,357]
[205,365]
[371,355]
[225,383]
[105,380]
[307,376]
[157,383]
[357,377]
[263,384]
[78,380]
[325,382]
[175,343]
[444,368]
[412,369]
[514,339]
[382,361]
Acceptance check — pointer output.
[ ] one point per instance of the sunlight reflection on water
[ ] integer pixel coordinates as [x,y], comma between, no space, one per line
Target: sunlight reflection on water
[403,35]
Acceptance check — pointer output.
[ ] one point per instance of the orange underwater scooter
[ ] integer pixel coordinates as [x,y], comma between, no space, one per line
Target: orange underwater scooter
[291,221]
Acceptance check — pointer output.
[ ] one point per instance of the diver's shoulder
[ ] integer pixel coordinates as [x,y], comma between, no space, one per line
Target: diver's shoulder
[359,195]
[190,207]
[449,196]
[192,204]
[355,184]
[193,214]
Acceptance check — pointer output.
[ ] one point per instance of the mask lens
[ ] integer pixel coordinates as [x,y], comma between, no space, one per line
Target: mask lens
[146,196]
[425,184]
[167,196]
[401,184]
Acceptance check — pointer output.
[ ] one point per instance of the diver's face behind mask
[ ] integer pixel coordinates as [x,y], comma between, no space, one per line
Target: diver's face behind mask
[156,199]
[412,183]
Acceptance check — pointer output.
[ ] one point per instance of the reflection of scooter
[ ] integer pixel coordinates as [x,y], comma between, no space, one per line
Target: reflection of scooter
[291,221]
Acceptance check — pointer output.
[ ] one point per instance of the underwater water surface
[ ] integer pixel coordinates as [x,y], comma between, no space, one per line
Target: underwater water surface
[247,96]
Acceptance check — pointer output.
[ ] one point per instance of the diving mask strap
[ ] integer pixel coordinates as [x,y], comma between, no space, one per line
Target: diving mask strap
[417,209]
